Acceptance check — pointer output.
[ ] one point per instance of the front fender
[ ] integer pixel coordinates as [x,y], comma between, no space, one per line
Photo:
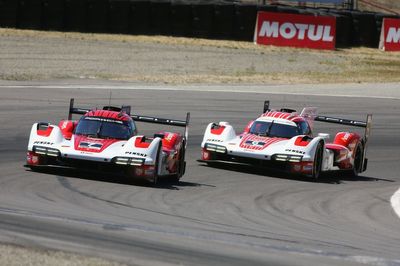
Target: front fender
[139,146]
[52,136]
[304,145]
[218,133]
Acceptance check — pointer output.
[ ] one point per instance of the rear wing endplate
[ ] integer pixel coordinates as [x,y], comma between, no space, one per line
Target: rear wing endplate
[266,107]
[73,110]
[140,118]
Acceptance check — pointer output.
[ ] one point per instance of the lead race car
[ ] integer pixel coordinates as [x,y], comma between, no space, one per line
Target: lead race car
[283,139]
[107,140]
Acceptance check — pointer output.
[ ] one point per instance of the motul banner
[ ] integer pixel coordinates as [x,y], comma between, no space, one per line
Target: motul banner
[280,29]
[390,35]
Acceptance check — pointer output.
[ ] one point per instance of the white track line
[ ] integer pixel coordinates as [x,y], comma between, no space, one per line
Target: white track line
[395,201]
[231,89]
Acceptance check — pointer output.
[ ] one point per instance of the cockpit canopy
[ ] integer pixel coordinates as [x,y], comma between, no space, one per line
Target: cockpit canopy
[105,128]
[280,130]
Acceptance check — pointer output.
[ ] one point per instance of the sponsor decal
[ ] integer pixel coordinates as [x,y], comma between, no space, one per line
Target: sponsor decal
[102,119]
[136,153]
[169,136]
[346,137]
[295,151]
[255,143]
[64,124]
[390,35]
[43,142]
[214,140]
[89,145]
[280,29]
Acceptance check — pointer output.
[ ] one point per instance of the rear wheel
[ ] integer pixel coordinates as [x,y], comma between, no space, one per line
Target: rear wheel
[357,160]
[317,166]
[181,164]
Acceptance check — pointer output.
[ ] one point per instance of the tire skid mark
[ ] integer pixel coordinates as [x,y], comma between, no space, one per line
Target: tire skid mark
[65,183]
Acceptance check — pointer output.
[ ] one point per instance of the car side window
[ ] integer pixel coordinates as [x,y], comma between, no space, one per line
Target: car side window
[133,129]
[304,128]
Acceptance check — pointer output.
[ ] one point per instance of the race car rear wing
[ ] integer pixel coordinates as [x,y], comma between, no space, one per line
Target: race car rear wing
[140,118]
[342,121]
[165,121]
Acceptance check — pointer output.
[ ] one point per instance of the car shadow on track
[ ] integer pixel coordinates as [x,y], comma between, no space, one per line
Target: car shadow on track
[163,183]
[328,177]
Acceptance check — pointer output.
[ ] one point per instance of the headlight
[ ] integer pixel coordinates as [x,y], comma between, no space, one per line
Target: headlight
[129,161]
[215,148]
[287,158]
[46,151]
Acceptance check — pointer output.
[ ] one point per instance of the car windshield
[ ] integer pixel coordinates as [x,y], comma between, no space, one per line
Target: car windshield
[273,129]
[104,128]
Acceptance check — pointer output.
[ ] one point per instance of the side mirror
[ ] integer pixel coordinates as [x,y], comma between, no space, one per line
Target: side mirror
[324,135]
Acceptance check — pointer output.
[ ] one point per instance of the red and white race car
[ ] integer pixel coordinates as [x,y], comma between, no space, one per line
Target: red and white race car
[107,140]
[283,139]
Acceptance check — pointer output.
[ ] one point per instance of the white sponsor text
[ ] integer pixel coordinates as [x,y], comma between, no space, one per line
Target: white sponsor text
[296,30]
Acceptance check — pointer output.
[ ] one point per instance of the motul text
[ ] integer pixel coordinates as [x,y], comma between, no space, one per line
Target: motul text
[393,35]
[390,35]
[299,31]
[295,30]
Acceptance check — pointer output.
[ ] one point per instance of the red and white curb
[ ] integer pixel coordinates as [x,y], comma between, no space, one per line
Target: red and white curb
[395,201]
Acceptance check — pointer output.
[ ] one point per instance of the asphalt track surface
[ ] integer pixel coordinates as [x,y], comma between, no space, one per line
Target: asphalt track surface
[215,215]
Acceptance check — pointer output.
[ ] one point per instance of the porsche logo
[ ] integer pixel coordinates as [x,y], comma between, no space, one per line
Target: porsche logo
[255,143]
[88,145]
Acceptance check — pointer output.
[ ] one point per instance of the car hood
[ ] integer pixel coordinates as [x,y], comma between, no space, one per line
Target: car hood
[89,144]
[254,142]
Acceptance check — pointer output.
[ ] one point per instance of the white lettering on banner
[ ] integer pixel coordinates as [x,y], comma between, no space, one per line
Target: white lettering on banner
[269,29]
[302,30]
[393,35]
[327,34]
[289,31]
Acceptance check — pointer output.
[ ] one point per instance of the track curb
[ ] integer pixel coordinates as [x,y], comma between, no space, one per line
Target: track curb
[395,202]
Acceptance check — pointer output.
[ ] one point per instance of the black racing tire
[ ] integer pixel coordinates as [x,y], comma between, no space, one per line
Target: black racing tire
[357,161]
[157,165]
[181,164]
[317,165]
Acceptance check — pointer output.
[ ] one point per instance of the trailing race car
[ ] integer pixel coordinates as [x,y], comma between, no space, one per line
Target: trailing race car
[107,140]
[283,139]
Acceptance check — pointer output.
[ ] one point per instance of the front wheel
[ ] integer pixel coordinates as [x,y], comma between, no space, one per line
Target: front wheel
[317,165]
[157,165]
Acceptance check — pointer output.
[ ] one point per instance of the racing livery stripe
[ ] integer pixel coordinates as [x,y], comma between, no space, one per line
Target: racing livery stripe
[253,142]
